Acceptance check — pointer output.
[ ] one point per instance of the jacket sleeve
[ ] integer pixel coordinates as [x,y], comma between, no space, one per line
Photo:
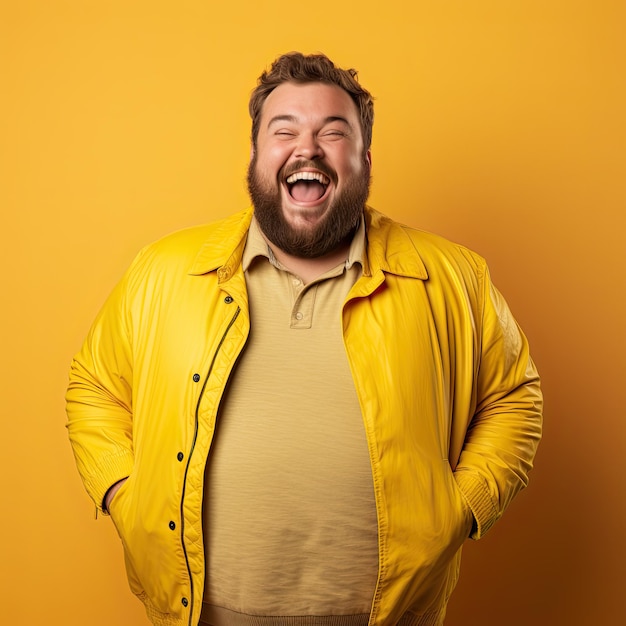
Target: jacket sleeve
[504,433]
[99,399]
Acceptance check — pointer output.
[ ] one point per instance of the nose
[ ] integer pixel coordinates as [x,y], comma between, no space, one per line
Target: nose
[308,147]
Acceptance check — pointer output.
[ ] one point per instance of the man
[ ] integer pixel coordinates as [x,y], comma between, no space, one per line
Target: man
[297,415]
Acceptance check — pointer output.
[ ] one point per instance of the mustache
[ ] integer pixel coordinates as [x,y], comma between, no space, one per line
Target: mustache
[320,166]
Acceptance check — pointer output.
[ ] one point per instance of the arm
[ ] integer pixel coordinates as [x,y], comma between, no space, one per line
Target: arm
[504,433]
[99,401]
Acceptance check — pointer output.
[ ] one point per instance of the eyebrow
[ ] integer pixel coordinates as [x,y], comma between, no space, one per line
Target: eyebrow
[294,120]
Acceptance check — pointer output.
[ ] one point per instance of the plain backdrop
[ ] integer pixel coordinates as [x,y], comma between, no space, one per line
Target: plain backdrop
[499,124]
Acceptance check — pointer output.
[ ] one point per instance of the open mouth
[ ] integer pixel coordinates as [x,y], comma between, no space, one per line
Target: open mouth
[307,186]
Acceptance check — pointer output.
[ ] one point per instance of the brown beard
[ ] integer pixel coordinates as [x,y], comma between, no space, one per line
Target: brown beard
[336,227]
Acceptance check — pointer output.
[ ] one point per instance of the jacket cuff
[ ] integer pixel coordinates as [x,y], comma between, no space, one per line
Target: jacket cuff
[476,492]
[110,470]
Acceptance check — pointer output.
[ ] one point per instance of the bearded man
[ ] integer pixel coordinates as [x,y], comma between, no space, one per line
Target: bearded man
[297,415]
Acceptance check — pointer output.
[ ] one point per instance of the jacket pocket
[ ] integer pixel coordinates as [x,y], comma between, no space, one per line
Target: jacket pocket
[148,548]
[464,508]
[440,529]
[118,510]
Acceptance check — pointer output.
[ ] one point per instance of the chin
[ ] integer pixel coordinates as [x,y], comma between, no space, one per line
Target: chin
[307,231]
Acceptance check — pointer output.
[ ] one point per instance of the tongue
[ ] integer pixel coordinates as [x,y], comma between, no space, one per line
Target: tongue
[307,191]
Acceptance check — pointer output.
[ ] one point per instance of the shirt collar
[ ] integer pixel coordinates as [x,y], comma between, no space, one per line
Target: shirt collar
[389,247]
[256,246]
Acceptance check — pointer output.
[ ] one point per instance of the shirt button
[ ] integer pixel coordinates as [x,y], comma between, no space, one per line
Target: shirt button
[297,282]
[299,315]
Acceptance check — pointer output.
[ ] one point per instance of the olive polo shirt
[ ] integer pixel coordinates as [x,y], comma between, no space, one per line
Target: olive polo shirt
[290,519]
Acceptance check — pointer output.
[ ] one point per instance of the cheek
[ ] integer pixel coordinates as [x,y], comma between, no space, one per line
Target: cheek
[273,156]
[349,161]
[354,166]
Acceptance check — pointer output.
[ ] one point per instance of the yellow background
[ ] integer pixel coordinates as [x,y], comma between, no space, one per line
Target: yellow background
[499,124]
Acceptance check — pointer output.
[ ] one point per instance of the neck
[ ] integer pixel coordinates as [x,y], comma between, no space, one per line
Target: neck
[310,269]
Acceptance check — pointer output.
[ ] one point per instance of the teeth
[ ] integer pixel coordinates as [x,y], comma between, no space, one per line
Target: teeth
[308,176]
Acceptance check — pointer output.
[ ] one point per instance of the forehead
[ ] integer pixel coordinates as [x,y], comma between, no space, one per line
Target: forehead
[309,102]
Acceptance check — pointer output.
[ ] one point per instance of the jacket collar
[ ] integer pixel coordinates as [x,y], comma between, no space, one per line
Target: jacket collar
[223,249]
[388,248]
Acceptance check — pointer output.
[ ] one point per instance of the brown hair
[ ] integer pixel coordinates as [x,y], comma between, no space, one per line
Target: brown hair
[298,68]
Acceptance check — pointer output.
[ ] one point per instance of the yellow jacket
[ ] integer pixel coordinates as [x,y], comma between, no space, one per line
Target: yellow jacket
[449,395]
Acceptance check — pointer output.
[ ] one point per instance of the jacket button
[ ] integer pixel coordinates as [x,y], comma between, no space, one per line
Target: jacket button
[185,602]
[180,456]
[172,526]
[228,299]
[196,378]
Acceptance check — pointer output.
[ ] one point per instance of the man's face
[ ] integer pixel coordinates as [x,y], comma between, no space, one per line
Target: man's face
[309,174]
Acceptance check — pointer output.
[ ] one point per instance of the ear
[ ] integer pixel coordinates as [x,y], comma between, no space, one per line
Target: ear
[251,152]
[368,158]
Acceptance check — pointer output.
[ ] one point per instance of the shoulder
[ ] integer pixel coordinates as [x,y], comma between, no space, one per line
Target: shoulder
[181,249]
[436,253]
